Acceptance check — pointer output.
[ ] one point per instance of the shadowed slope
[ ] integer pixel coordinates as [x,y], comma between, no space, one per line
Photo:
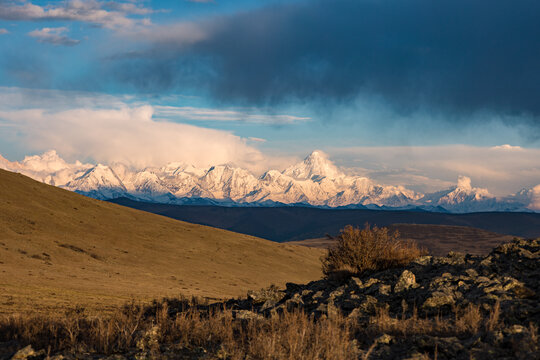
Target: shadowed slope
[291,223]
[58,248]
[438,239]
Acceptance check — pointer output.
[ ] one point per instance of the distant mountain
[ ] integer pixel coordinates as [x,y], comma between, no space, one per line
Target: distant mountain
[288,223]
[316,181]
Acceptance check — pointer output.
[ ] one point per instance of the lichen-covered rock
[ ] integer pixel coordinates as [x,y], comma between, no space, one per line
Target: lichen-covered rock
[405,281]
[27,353]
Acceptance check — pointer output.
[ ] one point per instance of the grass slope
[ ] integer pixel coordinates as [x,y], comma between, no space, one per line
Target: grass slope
[438,239]
[59,249]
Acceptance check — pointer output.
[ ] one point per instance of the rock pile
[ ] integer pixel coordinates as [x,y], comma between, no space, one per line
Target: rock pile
[507,279]
[510,275]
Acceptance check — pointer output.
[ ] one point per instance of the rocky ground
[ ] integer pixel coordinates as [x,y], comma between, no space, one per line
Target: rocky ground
[433,287]
[454,307]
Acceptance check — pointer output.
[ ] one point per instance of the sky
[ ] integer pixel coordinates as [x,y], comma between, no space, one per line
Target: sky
[407,92]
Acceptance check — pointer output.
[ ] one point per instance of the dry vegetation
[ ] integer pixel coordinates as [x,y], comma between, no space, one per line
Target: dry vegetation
[59,249]
[358,250]
[188,327]
[439,240]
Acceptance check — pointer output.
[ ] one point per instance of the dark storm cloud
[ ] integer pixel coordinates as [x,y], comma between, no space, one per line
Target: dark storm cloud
[457,56]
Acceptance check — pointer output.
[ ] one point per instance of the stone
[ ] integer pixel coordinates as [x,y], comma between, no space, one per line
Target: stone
[355,283]
[384,289]
[263,295]
[149,340]
[246,315]
[27,352]
[424,260]
[523,292]
[405,281]
[438,299]
[472,273]
[384,339]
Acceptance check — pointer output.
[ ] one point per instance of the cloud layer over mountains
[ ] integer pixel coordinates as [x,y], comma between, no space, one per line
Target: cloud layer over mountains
[457,57]
[315,181]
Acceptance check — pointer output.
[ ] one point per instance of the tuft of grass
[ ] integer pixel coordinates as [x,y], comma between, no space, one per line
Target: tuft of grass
[289,335]
[186,326]
[468,321]
[369,249]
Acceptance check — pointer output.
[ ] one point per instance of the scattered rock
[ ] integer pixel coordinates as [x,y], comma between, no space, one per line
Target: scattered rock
[27,353]
[433,286]
[405,281]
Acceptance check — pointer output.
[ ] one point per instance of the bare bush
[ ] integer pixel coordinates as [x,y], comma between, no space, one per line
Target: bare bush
[359,250]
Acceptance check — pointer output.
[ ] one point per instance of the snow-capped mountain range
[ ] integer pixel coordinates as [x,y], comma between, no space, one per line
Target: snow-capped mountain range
[315,181]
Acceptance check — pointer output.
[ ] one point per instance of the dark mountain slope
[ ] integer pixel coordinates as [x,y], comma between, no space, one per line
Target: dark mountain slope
[299,223]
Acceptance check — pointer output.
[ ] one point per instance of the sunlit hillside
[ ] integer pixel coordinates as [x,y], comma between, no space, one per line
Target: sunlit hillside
[58,248]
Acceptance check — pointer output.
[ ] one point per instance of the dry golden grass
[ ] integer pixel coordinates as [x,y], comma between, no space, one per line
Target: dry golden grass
[59,249]
[290,335]
[193,325]
[468,321]
[358,250]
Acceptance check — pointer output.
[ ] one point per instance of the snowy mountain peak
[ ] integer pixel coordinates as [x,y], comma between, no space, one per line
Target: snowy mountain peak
[315,167]
[99,177]
[465,189]
[530,196]
[315,180]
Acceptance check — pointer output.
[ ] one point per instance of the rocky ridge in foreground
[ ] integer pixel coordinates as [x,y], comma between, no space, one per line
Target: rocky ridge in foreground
[454,307]
[508,279]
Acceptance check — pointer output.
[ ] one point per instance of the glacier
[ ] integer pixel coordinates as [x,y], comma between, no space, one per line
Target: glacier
[315,181]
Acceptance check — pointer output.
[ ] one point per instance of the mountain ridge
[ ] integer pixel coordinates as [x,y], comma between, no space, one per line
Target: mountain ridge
[315,181]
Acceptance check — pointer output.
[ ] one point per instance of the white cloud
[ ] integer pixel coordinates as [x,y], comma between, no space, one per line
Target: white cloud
[205,114]
[54,36]
[256,139]
[429,168]
[110,14]
[129,135]
[506,147]
[4,31]
[535,198]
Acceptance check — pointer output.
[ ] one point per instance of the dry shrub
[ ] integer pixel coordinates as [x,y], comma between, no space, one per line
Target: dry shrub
[294,335]
[289,335]
[359,250]
[467,321]
[187,327]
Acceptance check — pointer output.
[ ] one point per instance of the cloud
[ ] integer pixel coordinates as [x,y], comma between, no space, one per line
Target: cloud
[108,129]
[431,168]
[458,57]
[3,31]
[109,14]
[256,139]
[507,147]
[535,198]
[205,114]
[54,36]
[127,135]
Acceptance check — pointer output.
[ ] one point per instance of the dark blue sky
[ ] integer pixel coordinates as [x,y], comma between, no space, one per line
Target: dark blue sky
[297,74]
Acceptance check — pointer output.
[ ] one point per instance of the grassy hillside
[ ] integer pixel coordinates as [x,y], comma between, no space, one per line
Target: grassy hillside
[438,239]
[58,248]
